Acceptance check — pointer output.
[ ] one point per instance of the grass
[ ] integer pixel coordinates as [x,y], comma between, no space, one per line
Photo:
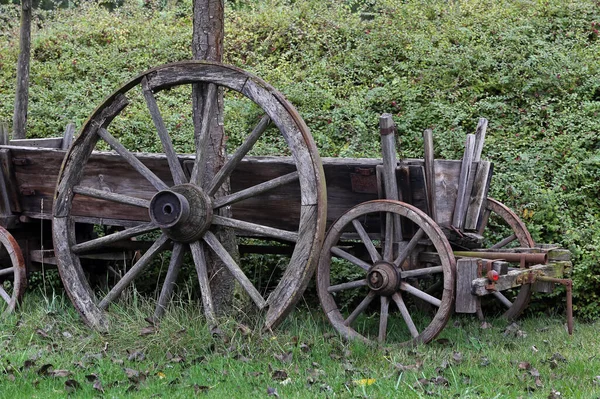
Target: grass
[303,358]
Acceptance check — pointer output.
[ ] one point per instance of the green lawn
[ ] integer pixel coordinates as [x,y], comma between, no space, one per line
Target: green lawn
[47,352]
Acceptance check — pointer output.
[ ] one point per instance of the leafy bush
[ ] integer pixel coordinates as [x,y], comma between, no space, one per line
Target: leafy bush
[530,67]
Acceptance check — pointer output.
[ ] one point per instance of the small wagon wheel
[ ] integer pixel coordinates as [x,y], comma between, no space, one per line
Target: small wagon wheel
[499,214]
[371,270]
[13,276]
[184,211]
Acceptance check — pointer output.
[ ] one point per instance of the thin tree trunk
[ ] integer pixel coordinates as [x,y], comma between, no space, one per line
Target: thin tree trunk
[22,89]
[207,44]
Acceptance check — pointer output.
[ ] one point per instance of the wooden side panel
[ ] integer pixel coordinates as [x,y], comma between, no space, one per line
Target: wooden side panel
[466,272]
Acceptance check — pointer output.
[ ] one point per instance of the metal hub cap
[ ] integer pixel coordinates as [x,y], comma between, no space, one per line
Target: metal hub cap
[183,212]
[383,278]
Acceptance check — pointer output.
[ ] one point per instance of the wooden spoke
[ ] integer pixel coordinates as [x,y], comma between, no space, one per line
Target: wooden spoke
[169,284]
[389,238]
[504,242]
[408,248]
[364,236]
[239,154]
[114,197]
[360,308]
[234,269]
[405,315]
[201,138]
[101,242]
[503,300]
[167,144]
[5,295]
[8,270]
[134,272]
[404,286]
[254,228]
[347,286]
[197,250]
[255,190]
[350,258]
[132,160]
[426,271]
[383,318]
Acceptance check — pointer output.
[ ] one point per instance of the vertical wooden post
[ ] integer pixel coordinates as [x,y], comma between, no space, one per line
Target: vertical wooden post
[207,44]
[387,130]
[430,172]
[68,136]
[22,87]
[460,208]
[3,133]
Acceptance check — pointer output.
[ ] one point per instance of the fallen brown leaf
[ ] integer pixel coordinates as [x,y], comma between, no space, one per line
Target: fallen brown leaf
[71,386]
[279,375]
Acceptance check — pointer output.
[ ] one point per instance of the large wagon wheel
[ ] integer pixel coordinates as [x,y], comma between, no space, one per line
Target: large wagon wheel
[13,276]
[184,211]
[498,216]
[355,262]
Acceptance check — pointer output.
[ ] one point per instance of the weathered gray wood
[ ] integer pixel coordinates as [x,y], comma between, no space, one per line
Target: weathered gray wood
[234,269]
[68,136]
[52,142]
[165,139]
[109,196]
[170,280]
[405,315]
[112,238]
[502,299]
[132,160]
[364,236]
[134,272]
[239,154]
[256,190]
[22,86]
[350,258]
[466,272]
[404,286]
[479,138]
[405,252]
[426,271]
[201,137]
[510,280]
[4,134]
[362,306]
[463,183]
[19,274]
[383,318]
[479,193]
[198,254]
[256,229]
[430,173]
[393,232]
[347,286]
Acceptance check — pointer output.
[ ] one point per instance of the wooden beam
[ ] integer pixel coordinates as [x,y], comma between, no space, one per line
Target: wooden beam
[22,88]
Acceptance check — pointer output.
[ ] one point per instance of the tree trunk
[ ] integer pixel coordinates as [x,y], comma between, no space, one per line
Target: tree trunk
[22,89]
[207,44]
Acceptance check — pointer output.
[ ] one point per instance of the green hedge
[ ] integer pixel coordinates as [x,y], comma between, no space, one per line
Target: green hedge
[530,67]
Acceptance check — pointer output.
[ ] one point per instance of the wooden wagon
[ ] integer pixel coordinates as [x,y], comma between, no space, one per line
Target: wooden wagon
[412,232]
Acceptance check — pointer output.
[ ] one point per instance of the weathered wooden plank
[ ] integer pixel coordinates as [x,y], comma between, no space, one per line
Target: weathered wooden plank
[466,272]
[430,173]
[479,193]
[4,134]
[479,138]
[68,136]
[10,182]
[51,142]
[464,180]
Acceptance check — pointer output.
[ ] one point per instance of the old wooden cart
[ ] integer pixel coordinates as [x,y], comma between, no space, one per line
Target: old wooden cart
[102,213]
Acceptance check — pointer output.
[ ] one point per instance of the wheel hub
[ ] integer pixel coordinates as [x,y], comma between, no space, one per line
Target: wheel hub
[383,278]
[183,212]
